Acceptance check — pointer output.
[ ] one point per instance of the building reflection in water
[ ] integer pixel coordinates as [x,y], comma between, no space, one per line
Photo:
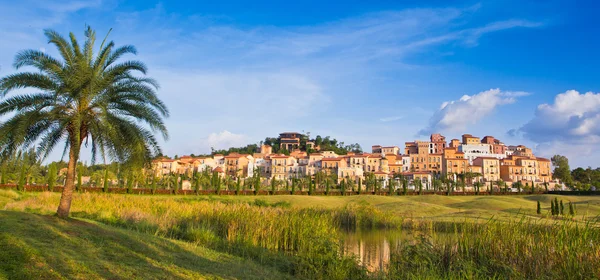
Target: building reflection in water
[371,249]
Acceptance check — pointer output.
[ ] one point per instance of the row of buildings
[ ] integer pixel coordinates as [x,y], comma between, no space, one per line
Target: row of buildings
[479,159]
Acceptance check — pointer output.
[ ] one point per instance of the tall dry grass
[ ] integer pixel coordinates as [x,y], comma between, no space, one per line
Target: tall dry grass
[303,242]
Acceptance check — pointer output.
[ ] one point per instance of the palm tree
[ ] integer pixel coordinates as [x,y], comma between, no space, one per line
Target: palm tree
[80,97]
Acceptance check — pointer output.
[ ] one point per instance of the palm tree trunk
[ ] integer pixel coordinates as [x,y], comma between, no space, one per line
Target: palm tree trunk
[67,194]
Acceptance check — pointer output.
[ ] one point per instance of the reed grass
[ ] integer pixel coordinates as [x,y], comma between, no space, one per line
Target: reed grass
[517,249]
[305,242]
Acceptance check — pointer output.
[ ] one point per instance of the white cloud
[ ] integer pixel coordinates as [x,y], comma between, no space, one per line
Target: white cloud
[224,140]
[572,118]
[455,116]
[570,126]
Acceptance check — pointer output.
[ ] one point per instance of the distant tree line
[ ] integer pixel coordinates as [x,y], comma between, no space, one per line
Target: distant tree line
[576,179]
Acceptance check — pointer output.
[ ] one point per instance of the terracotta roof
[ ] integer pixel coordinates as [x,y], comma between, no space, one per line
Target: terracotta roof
[280,156]
[543,159]
[487,158]
[218,169]
[332,159]
[380,172]
[360,155]
[417,172]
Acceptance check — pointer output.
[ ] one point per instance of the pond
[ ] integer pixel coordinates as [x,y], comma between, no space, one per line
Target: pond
[372,248]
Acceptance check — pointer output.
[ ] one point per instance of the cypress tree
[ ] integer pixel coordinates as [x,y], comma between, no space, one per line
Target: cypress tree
[22,177]
[273,185]
[571,209]
[153,184]
[359,185]
[556,207]
[51,177]
[238,186]
[105,181]
[562,208]
[293,186]
[79,174]
[327,186]
[130,182]
[539,208]
[4,173]
[553,208]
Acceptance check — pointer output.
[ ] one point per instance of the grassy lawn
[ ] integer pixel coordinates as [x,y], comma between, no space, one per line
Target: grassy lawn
[44,247]
[435,207]
[275,237]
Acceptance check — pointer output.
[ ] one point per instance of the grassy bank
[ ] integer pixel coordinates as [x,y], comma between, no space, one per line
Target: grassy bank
[45,247]
[299,242]
[300,235]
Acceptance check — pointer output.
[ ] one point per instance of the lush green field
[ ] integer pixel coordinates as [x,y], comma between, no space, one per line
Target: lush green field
[45,247]
[298,236]
[436,207]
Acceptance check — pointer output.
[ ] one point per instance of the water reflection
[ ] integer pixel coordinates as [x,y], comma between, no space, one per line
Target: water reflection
[372,248]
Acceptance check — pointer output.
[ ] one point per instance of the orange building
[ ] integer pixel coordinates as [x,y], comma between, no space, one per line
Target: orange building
[490,167]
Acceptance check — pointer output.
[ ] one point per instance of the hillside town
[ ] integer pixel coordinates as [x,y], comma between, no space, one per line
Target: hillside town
[471,159]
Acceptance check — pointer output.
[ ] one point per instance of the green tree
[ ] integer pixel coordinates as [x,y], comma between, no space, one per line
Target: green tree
[153,184]
[273,185]
[359,185]
[82,96]
[562,208]
[539,208]
[22,177]
[477,186]
[79,177]
[238,186]
[105,181]
[571,209]
[562,171]
[419,186]
[51,176]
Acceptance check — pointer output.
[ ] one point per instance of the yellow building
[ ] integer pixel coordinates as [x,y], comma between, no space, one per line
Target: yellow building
[490,167]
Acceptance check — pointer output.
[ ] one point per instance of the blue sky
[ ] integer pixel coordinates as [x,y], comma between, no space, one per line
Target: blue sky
[372,72]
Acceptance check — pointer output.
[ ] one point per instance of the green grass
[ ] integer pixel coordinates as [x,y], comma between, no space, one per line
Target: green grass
[299,236]
[432,207]
[517,249]
[44,247]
